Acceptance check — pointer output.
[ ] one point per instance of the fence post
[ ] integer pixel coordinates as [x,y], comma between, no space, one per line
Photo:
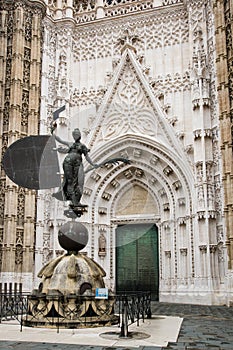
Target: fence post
[149,305]
[1,306]
[124,324]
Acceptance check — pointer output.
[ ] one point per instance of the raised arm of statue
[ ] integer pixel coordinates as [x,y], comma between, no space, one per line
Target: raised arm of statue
[57,138]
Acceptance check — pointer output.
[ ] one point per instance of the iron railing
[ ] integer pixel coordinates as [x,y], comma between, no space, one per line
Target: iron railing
[133,306]
[130,307]
[13,306]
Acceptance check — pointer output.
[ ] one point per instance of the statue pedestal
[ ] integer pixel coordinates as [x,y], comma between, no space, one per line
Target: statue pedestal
[66,296]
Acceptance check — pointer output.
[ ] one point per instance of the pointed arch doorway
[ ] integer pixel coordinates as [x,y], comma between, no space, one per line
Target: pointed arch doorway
[137,262]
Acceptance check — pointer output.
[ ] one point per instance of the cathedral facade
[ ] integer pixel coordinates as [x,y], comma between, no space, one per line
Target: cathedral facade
[147,80]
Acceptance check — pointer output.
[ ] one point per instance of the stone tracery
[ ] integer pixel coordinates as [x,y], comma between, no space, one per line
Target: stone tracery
[81,63]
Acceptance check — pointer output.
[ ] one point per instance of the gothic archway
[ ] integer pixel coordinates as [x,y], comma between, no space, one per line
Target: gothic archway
[162,182]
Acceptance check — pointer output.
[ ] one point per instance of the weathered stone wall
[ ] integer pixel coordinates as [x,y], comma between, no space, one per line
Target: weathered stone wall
[20,61]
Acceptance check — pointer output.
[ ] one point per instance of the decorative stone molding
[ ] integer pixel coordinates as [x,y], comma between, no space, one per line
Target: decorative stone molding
[181,221]
[95,176]
[181,201]
[19,250]
[139,173]
[102,210]
[124,154]
[102,245]
[177,185]
[108,166]
[128,37]
[184,251]
[87,191]
[189,149]
[168,171]
[172,120]
[171,2]
[211,214]
[213,248]
[102,228]
[166,207]
[152,180]
[167,254]
[162,192]
[180,134]
[201,215]
[220,237]
[208,133]
[87,97]
[106,196]
[166,225]
[115,183]
[197,134]
[203,248]
[137,153]
[128,174]
[154,160]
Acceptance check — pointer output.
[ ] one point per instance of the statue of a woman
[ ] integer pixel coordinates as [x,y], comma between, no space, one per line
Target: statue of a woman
[73,182]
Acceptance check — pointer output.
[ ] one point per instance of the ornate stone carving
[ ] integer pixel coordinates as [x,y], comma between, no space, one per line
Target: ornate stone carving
[19,236]
[168,170]
[102,245]
[18,254]
[184,251]
[101,41]
[200,73]
[154,159]
[213,248]
[102,210]
[128,37]
[95,176]
[167,254]
[182,221]
[2,200]
[166,207]
[177,185]
[25,111]
[28,26]
[129,111]
[118,8]
[115,183]
[203,248]
[181,201]
[21,207]
[106,196]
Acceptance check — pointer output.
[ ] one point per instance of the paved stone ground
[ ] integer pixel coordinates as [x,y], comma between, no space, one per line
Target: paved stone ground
[203,327]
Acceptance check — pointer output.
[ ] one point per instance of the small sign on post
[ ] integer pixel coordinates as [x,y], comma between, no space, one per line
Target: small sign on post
[101,293]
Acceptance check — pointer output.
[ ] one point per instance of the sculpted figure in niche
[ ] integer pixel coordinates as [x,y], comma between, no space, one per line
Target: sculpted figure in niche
[102,244]
[73,182]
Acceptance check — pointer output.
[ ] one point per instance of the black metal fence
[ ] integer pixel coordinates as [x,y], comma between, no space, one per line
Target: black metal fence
[13,306]
[130,307]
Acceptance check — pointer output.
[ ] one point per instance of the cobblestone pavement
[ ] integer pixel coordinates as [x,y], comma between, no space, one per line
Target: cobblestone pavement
[203,327]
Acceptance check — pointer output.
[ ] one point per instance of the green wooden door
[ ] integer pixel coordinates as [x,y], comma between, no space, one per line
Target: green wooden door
[137,266]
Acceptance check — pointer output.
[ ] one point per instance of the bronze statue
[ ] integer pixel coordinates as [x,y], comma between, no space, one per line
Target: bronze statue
[73,182]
